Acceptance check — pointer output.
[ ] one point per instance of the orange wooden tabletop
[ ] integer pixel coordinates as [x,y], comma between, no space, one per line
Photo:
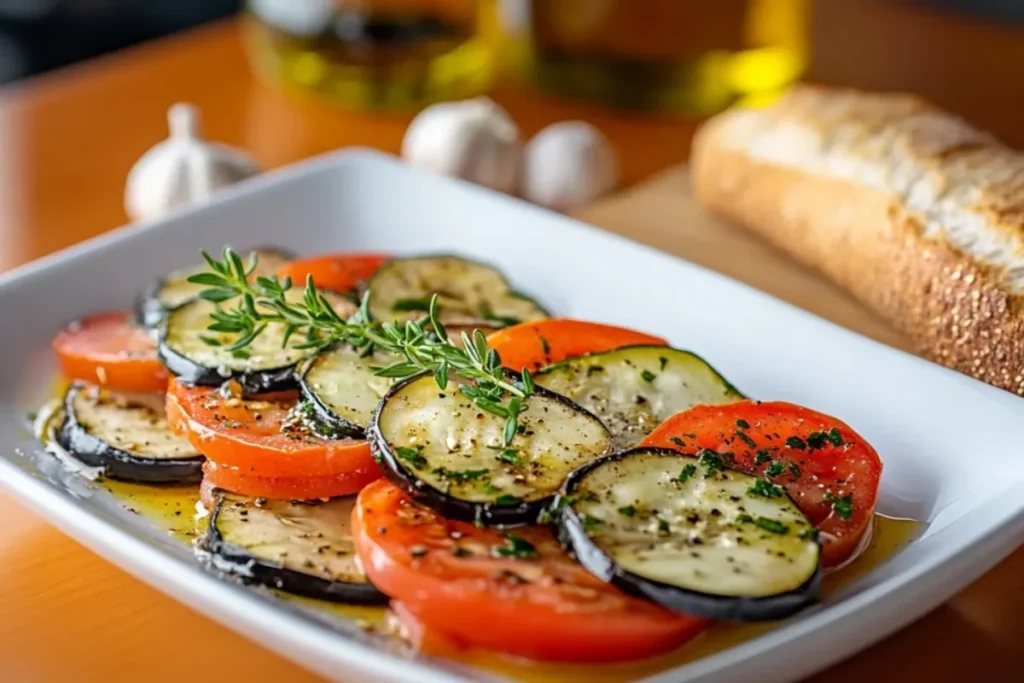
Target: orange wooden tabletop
[66,143]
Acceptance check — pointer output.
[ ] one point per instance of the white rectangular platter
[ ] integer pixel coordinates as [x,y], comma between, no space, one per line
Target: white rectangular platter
[951,446]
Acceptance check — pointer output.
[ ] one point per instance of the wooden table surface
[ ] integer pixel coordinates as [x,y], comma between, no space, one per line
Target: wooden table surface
[67,140]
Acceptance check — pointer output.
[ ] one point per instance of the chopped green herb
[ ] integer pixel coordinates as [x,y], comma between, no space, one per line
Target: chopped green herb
[511,456]
[490,489]
[628,510]
[677,441]
[775,469]
[663,361]
[412,456]
[809,534]
[765,489]
[405,305]
[663,528]
[762,456]
[589,521]
[210,341]
[545,347]
[796,442]
[460,475]
[772,525]
[241,353]
[515,546]
[711,461]
[843,507]
[795,469]
[648,376]
[816,440]
[744,518]
[688,471]
[742,424]
[835,437]
[594,369]
[508,499]
[742,436]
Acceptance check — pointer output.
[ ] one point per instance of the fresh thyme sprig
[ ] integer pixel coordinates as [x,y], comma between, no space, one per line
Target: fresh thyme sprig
[420,345]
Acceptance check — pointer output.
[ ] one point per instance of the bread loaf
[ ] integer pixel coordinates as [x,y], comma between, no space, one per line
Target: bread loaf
[914,212]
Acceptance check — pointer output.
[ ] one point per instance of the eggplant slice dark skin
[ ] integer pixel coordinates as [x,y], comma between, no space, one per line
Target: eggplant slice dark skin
[129,439]
[470,293]
[342,387]
[300,548]
[264,365]
[697,539]
[173,289]
[445,452]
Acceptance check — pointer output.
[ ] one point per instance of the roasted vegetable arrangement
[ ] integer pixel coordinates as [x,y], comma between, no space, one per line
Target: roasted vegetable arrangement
[415,430]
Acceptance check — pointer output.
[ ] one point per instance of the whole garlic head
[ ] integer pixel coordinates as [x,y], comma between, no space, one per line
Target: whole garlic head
[473,139]
[568,165]
[182,169]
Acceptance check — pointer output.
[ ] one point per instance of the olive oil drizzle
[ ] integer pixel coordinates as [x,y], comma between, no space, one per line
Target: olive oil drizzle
[174,509]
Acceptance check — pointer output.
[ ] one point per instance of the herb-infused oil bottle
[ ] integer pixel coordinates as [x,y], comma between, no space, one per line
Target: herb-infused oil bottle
[694,56]
[376,53]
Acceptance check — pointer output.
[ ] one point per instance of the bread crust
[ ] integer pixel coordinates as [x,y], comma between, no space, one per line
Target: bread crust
[954,298]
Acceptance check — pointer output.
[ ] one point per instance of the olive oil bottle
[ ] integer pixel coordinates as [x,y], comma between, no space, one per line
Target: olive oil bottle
[690,56]
[376,53]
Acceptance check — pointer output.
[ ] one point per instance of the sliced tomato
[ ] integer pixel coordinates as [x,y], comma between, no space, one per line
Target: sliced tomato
[336,272]
[259,436]
[517,593]
[110,350]
[543,342]
[829,470]
[235,480]
[425,639]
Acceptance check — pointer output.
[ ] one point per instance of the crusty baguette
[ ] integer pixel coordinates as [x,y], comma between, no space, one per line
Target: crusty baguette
[914,212]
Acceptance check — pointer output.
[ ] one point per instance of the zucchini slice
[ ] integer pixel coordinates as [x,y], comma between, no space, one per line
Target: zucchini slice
[446,452]
[468,292]
[127,435]
[690,535]
[344,389]
[174,289]
[301,548]
[198,356]
[634,388]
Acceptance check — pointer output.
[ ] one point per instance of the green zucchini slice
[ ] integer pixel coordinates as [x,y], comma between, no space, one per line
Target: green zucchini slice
[634,388]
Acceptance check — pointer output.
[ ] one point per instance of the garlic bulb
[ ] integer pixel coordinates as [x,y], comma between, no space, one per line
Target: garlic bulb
[568,165]
[181,169]
[472,139]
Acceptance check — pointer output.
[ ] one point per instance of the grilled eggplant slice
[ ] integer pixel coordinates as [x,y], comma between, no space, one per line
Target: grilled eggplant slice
[174,289]
[634,388]
[301,548]
[344,389]
[198,356]
[469,293]
[127,435]
[446,452]
[691,535]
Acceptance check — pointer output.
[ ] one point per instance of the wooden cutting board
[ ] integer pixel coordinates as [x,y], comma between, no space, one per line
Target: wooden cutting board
[664,214]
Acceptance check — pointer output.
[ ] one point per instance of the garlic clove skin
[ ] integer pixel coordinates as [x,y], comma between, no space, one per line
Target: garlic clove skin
[182,169]
[568,165]
[473,139]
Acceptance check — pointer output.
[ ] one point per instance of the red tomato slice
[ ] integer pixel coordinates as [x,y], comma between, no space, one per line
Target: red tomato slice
[336,272]
[459,579]
[235,480]
[543,342]
[257,437]
[108,349]
[829,470]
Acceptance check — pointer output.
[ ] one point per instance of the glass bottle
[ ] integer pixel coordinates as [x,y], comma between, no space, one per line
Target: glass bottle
[695,56]
[376,53]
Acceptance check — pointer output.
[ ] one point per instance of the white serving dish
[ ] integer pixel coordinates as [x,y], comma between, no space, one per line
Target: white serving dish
[951,445]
